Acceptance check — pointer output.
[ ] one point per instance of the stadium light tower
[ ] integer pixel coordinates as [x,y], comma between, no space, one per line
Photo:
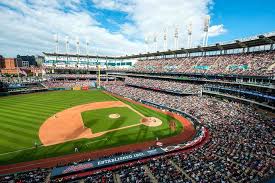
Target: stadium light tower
[156,42]
[176,36]
[67,44]
[77,45]
[146,40]
[56,43]
[206,28]
[165,39]
[189,30]
[87,45]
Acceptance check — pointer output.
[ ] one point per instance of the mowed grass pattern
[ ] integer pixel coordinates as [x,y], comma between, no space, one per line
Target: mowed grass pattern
[98,120]
[21,117]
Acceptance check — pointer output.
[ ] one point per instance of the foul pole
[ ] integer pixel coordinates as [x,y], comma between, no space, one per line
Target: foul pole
[99,75]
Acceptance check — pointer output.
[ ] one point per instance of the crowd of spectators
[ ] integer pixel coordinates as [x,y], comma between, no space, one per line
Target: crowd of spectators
[241,146]
[254,64]
[67,84]
[136,173]
[263,97]
[174,86]
[86,68]
[164,171]
[105,176]
[71,67]
[73,76]
[22,79]
[34,176]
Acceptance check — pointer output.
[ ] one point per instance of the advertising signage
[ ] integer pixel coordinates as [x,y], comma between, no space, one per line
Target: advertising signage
[105,162]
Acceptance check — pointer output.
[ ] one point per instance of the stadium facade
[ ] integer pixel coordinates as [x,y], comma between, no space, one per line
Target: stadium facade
[264,42]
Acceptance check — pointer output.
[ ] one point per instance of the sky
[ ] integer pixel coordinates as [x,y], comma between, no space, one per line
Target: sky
[120,27]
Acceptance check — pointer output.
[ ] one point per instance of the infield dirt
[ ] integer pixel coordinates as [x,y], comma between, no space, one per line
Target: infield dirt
[68,125]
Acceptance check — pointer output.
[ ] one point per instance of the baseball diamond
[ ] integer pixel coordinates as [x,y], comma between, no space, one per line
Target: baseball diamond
[64,120]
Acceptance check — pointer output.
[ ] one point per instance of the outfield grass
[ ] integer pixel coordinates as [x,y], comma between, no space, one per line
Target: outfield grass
[21,117]
[98,120]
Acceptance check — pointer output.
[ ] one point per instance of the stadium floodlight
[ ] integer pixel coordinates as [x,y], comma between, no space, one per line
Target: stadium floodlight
[56,43]
[67,44]
[87,45]
[189,30]
[97,52]
[206,28]
[77,45]
[146,40]
[156,42]
[165,43]
[176,38]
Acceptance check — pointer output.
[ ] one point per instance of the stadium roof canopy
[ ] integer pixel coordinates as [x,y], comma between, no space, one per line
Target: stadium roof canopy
[260,40]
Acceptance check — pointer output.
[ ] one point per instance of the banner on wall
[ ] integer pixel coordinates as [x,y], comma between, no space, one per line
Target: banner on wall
[85,88]
[105,162]
[77,88]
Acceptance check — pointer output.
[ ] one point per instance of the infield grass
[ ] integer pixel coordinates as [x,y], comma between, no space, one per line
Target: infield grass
[99,121]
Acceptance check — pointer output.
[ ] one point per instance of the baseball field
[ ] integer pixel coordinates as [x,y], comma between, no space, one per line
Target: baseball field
[49,124]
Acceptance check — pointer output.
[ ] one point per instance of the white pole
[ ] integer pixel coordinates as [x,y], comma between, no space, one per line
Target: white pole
[206,28]
[87,44]
[189,29]
[176,36]
[146,40]
[149,43]
[77,46]
[206,39]
[67,44]
[203,40]
[56,43]
[156,42]
[165,39]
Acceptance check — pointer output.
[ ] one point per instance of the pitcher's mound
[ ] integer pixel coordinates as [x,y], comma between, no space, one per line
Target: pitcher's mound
[114,116]
[151,121]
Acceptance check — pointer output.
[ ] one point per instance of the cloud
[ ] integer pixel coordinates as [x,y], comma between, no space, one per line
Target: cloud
[217,30]
[151,18]
[118,5]
[27,27]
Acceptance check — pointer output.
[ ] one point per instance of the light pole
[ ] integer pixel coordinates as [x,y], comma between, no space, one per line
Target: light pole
[189,29]
[165,39]
[77,46]
[56,43]
[156,42]
[206,28]
[176,36]
[87,45]
[67,45]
